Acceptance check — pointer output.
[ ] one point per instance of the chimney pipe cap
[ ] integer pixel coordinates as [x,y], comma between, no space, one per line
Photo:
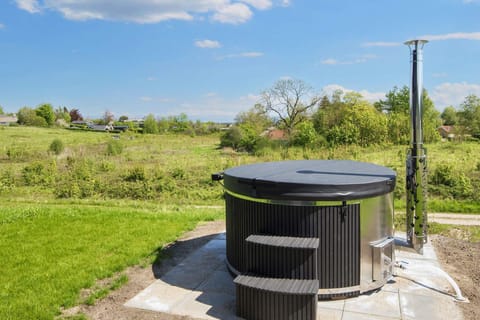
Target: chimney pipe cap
[415,42]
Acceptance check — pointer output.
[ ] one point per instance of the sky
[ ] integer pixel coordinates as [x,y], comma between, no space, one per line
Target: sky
[211,59]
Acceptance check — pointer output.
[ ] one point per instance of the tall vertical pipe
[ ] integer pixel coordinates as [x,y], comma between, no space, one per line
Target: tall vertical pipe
[416,171]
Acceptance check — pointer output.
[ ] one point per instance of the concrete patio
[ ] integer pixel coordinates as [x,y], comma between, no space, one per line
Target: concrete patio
[201,287]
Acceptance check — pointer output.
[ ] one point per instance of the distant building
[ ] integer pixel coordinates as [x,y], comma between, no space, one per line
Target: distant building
[446,132]
[6,120]
[274,134]
[100,127]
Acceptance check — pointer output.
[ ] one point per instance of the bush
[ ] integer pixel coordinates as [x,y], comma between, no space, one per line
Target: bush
[231,137]
[139,190]
[178,173]
[15,153]
[39,174]
[114,147]
[7,180]
[135,174]
[57,146]
[447,182]
[106,166]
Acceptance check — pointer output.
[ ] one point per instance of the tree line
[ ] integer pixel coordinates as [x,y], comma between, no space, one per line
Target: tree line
[342,118]
[45,115]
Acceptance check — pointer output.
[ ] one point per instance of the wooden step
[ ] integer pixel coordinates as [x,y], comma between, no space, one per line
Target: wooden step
[261,298]
[282,257]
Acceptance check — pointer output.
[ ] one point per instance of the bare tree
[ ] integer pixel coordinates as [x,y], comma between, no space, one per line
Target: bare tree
[108,117]
[289,100]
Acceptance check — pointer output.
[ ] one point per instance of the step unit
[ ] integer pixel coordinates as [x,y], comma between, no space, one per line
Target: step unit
[260,298]
[282,257]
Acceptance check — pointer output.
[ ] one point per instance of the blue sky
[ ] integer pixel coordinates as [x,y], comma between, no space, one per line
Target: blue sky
[211,59]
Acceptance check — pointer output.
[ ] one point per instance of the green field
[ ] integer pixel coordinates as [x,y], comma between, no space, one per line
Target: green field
[107,202]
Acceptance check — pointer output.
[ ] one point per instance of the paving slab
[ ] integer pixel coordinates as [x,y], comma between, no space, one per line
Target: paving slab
[202,288]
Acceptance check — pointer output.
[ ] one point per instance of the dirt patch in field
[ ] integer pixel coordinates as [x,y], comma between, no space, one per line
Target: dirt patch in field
[461,259]
[111,307]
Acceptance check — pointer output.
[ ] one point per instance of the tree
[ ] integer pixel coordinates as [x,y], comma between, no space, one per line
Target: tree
[108,117]
[289,100]
[46,112]
[75,115]
[469,115]
[28,116]
[180,123]
[150,124]
[449,116]
[397,101]
[431,120]
[1,110]
[123,118]
[62,114]
[257,117]
[305,134]
[329,113]
[349,119]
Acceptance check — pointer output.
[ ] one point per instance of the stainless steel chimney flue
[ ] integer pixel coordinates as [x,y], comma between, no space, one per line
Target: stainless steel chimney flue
[416,170]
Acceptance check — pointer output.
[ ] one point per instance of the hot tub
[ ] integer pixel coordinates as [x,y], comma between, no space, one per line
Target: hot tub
[346,205]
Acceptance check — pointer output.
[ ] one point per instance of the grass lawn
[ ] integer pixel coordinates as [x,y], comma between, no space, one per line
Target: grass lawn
[50,252]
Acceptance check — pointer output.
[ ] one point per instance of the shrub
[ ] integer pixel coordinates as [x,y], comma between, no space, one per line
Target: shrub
[135,174]
[141,190]
[304,135]
[114,147]
[443,175]
[231,137]
[37,173]
[449,183]
[106,166]
[57,146]
[7,180]
[178,173]
[15,153]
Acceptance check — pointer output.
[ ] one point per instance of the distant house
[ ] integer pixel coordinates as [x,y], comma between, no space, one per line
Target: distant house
[6,120]
[274,134]
[100,127]
[446,132]
[80,122]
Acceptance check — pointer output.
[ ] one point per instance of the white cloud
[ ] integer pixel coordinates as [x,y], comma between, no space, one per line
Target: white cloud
[146,99]
[150,11]
[233,13]
[453,36]
[330,61]
[381,44]
[259,4]
[369,96]
[31,6]
[2,26]
[207,44]
[285,3]
[250,54]
[151,78]
[361,59]
[453,94]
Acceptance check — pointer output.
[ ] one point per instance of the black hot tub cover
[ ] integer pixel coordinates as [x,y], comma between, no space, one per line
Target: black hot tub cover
[310,180]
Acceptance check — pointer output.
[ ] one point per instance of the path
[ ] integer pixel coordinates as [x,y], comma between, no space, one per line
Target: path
[455,219]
